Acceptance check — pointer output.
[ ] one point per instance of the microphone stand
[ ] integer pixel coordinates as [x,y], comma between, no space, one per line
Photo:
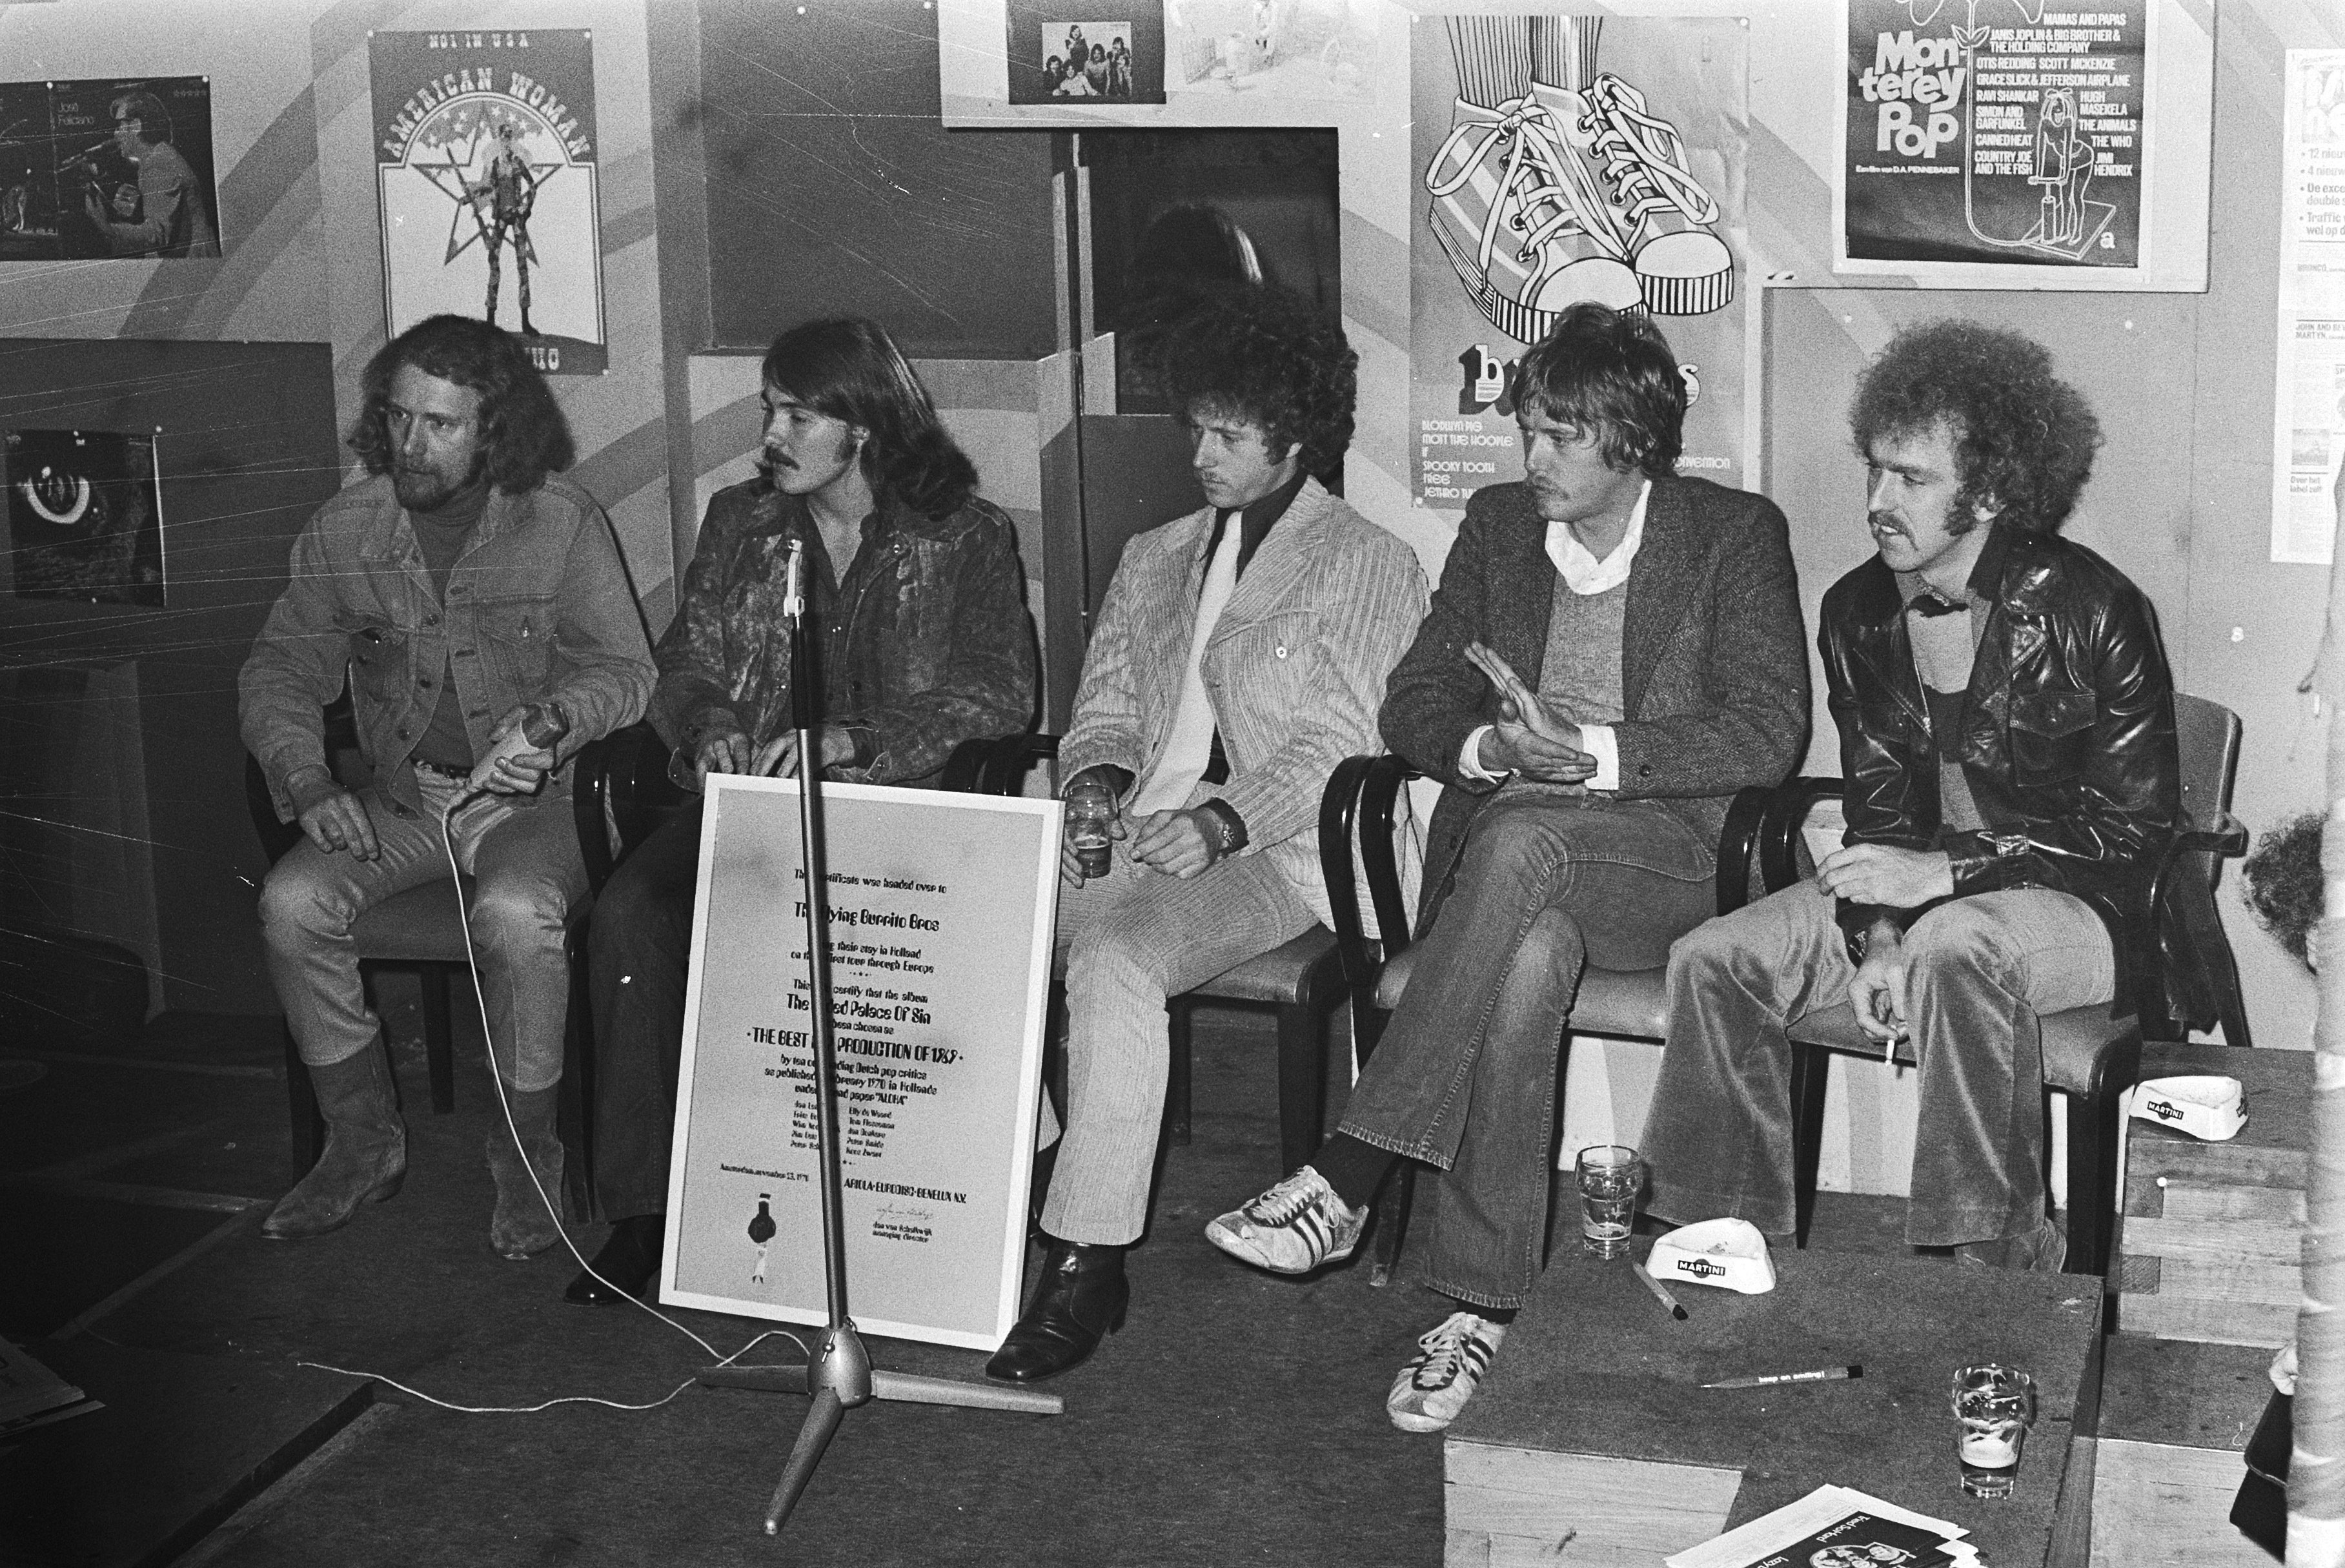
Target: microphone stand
[838,1372]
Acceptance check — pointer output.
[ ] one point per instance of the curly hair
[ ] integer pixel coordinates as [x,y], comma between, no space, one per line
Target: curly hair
[2024,439]
[524,436]
[1265,357]
[1610,372]
[847,368]
[2284,883]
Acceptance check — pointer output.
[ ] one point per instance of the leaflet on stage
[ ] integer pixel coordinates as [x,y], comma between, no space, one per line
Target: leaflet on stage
[2308,431]
[940,914]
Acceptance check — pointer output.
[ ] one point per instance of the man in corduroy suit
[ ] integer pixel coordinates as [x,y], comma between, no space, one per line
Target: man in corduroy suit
[1240,655]
[1613,652]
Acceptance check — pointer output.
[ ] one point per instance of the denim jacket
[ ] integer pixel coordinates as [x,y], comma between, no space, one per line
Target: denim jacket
[537,608]
[928,643]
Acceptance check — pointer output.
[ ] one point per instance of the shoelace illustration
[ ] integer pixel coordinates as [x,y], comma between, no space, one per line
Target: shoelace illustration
[1541,171]
[1644,158]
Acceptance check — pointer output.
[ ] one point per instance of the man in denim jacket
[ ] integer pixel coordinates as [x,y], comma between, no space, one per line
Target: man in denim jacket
[457,587]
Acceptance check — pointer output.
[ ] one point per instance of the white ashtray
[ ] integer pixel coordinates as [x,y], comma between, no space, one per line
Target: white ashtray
[2207,1107]
[1730,1254]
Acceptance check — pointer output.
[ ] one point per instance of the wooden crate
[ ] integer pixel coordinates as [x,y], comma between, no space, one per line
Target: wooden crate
[2213,1232]
[1591,1445]
[2174,1419]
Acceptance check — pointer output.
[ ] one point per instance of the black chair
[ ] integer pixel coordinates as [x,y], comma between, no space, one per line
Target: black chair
[2092,1054]
[1630,1004]
[1302,979]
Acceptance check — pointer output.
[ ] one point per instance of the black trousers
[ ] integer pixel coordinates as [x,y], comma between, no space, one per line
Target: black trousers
[638,951]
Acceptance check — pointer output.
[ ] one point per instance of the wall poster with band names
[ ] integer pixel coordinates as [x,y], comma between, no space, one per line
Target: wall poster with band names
[1996,134]
[941,912]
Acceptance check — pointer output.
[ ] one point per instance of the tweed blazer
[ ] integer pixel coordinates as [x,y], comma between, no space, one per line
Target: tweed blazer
[1714,664]
[1293,669]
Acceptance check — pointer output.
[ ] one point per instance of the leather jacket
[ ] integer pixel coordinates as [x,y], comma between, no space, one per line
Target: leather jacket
[2068,734]
[927,642]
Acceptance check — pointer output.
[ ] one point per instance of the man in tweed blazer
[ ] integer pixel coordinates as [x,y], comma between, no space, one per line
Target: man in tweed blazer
[1613,652]
[1240,655]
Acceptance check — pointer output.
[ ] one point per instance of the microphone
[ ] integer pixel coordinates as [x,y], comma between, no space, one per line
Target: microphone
[92,150]
[794,583]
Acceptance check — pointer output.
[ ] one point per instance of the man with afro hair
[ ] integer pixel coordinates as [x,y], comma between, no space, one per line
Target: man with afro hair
[2007,724]
[1239,656]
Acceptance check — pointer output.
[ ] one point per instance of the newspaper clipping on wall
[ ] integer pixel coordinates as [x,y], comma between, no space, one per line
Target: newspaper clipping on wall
[941,918]
[2309,429]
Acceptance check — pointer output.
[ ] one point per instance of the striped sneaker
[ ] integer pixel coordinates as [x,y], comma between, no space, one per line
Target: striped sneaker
[1442,1376]
[1293,1228]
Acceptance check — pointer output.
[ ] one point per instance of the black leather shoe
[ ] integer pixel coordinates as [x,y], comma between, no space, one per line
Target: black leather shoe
[630,1260]
[1082,1296]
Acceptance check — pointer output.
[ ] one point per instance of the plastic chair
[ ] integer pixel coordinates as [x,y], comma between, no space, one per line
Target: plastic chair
[2093,1053]
[1631,1004]
[1301,979]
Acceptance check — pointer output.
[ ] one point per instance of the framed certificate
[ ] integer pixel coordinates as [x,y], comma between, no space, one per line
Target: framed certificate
[941,918]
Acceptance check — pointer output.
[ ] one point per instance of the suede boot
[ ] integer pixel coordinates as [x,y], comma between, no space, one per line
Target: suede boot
[365,1156]
[522,1226]
[1082,1296]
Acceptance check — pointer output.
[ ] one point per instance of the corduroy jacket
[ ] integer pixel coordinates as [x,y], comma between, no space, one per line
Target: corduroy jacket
[1293,668]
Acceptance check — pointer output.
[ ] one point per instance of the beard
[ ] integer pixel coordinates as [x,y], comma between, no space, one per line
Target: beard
[429,489]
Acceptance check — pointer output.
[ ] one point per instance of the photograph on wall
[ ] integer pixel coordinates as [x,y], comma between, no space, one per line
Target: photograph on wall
[2308,431]
[92,170]
[1562,159]
[85,515]
[1991,133]
[941,908]
[487,178]
[1274,50]
[1071,53]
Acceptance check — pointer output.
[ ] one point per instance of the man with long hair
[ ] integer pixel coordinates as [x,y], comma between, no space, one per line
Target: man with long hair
[1239,656]
[2006,739]
[463,586]
[1612,653]
[914,587]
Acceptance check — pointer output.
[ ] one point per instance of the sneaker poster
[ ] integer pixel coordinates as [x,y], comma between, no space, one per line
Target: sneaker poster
[1568,158]
[1991,133]
[486,165]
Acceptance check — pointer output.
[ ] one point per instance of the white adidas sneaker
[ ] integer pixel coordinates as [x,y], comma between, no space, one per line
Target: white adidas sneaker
[1442,1376]
[1293,1228]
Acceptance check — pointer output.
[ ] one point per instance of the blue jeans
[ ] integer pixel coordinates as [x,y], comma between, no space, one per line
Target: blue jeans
[1465,1077]
[1979,970]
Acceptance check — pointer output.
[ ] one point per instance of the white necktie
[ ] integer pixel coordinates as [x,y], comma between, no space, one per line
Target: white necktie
[1190,746]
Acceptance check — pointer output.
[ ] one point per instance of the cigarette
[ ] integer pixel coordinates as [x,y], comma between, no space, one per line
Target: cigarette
[1660,1291]
[1821,1375]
